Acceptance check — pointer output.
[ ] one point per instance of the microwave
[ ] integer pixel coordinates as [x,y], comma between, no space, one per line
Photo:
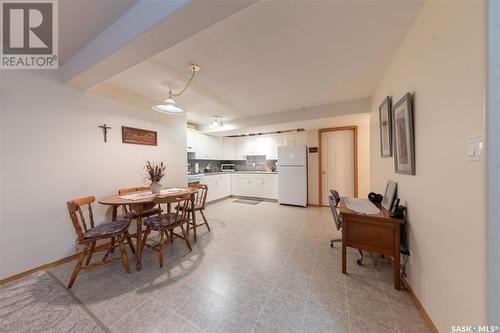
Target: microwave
[228,167]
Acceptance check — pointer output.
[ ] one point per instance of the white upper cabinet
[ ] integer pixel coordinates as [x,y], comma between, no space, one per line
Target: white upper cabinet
[191,140]
[228,149]
[295,139]
[205,146]
[216,148]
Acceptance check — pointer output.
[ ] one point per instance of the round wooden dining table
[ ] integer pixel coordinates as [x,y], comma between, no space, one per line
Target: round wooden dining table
[138,207]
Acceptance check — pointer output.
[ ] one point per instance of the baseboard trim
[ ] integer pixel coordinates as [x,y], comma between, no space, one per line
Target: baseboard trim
[49,265]
[218,200]
[420,306]
[240,197]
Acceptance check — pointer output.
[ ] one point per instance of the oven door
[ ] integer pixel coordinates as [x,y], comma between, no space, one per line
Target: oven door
[228,167]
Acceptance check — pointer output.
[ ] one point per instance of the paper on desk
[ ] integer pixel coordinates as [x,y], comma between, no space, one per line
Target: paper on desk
[173,190]
[363,206]
[137,196]
[149,194]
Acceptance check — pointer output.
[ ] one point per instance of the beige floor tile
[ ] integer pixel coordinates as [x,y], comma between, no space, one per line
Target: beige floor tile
[362,326]
[283,312]
[370,306]
[177,324]
[295,281]
[266,268]
[145,318]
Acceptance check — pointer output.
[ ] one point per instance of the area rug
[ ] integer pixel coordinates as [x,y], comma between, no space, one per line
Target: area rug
[40,303]
[248,201]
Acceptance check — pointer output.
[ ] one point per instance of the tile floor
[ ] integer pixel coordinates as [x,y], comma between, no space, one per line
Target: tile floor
[262,268]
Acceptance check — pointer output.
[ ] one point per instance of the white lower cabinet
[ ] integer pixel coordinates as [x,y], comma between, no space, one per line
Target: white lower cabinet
[219,186]
[270,186]
[255,185]
[246,185]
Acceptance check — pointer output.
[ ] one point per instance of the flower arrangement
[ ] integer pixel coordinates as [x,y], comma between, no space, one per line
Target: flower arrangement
[155,171]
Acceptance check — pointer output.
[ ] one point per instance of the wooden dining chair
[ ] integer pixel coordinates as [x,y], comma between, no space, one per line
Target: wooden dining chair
[165,223]
[89,234]
[149,210]
[200,198]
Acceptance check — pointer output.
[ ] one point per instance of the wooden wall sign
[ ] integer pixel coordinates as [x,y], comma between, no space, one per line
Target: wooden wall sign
[139,136]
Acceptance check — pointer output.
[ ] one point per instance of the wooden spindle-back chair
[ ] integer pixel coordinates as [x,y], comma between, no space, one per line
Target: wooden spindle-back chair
[200,198]
[165,223]
[88,234]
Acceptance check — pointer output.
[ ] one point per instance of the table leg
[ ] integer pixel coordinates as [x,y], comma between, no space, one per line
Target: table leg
[344,248]
[397,275]
[138,253]
[114,213]
[194,217]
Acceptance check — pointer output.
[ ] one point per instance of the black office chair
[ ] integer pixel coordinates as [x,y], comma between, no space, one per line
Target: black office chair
[334,199]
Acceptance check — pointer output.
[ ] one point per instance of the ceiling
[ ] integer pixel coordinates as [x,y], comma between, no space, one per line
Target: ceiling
[278,56]
[80,21]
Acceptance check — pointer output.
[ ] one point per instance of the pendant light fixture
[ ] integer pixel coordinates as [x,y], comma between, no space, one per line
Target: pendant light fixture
[169,106]
[216,122]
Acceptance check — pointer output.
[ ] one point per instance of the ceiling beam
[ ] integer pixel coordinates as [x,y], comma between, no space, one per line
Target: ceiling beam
[146,29]
[235,126]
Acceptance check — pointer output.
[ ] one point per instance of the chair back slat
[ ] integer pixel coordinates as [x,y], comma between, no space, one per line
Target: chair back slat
[334,200]
[82,219]
[180,212]
[200,196]
[77,215]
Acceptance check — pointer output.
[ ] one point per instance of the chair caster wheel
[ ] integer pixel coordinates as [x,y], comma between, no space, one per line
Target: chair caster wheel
[359,262]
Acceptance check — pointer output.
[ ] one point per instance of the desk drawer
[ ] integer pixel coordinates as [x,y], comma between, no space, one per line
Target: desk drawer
[370,234]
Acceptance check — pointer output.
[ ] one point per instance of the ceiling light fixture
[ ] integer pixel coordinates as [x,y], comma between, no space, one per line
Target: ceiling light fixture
[169,106]
[216,122]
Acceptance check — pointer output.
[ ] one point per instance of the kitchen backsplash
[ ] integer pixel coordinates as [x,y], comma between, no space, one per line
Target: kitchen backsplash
[252,163]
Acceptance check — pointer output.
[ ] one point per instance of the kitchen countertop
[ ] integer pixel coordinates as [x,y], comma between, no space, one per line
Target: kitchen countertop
[235,172]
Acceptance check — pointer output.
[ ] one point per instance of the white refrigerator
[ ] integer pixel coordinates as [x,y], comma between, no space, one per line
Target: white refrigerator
[292,175]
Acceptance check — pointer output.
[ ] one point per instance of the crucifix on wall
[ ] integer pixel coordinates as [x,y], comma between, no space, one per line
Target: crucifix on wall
[105,131]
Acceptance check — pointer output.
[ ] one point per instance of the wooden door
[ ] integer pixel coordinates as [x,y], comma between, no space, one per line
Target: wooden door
[337,163]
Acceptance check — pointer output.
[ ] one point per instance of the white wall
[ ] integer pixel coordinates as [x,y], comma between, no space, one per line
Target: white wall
[493,177]
[53,151]
[1,173]
[442,60]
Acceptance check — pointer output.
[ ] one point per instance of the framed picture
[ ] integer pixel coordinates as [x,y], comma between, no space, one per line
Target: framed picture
[139,136]
[404,152]
[385,128]
[389,195]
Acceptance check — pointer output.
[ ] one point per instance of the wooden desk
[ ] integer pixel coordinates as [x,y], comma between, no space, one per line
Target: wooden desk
[377,233]
[138,207]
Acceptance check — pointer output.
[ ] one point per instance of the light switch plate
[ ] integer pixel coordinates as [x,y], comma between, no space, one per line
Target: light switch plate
[475,149]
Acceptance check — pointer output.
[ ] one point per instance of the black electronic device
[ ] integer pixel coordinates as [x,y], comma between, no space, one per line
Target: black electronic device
[397,210]
[375,197]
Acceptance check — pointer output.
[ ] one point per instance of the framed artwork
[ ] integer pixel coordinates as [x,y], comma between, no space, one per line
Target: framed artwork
[385,128]
[404,152]
[389,195]
[139,136]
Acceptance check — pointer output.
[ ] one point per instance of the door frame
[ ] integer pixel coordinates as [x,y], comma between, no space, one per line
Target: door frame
[320,161]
